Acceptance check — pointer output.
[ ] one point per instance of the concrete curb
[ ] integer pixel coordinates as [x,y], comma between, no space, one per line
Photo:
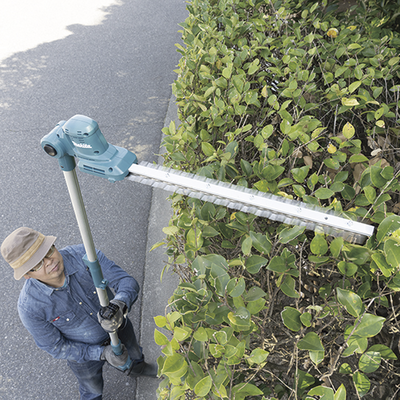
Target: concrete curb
[155,294]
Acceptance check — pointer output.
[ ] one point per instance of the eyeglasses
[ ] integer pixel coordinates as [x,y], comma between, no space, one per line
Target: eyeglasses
[48,255]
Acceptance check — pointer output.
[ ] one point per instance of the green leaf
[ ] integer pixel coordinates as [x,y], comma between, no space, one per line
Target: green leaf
[337,187]
[207,211]
[300,174]
[291,318]
[261,242]
[290,233]
[221,337]
[304,380]
[340,71]
[221,278]
[347,268]
[203,386]
[340,393]
[358,158]
[180,334]
[392,251]
[348,192]
[216,350]
[241,317]
[317,356]
[194,239]
[345,369]
[246,167]
[336,246]
[393,61]
[351,301]
[200,334]
[207,149]
[173,363]
[227,72]
[355,344]
[324,193]
[262,185]
[277,264]
[324,291]
[354,86]
[285,127]
[369,326]
[310,342]
[288,287]
[318,245]
[247,244]
[358,72]
[305,319]
[362,383]
[369,361]
[354,46]
[384,351]
[242,390]
[256,306]
[253,294]
[348,130]
[349,102]
[332,163]
[376,176]
[254,66]
[160,321]
[370,193]
[234,288]
[195,374]
[359,255]
[387,173]
[209,231]
[257,356]
[254,263]
[170,230]
[387,227]
[325,393]
[160,338]
[379,113]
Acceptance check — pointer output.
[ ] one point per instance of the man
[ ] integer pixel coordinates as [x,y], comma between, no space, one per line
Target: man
[59,306]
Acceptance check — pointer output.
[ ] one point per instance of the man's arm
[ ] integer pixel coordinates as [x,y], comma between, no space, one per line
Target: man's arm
[125,286]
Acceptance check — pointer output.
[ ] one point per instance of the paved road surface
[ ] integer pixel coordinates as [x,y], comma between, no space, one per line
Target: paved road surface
[115,66]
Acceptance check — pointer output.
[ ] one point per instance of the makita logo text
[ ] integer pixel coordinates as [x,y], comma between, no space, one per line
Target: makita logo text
[83,145]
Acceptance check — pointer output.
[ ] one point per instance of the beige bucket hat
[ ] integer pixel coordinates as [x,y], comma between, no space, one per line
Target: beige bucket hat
[24,249]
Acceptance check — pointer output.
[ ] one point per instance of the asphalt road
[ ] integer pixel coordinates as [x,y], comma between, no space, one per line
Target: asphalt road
[119,73]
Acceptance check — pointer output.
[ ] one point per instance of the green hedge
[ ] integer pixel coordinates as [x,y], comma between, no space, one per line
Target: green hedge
[293,99]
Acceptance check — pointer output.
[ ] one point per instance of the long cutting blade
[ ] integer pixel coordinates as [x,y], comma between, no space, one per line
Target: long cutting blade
[251,201]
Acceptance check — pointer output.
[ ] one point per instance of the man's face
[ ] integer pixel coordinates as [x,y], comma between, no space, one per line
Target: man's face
[52,272]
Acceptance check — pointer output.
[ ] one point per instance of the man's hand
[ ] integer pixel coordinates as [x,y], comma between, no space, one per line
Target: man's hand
[112,316]
[114,360]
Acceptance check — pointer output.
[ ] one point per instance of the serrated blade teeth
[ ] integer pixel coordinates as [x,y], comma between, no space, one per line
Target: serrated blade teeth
[261,204]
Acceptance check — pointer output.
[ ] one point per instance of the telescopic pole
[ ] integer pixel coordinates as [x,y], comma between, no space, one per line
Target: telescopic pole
[90,259]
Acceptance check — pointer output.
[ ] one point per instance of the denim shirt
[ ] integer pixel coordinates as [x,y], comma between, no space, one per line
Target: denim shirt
[63,321]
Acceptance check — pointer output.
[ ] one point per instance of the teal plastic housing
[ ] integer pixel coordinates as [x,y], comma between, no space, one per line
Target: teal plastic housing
[96,272]
[81,137]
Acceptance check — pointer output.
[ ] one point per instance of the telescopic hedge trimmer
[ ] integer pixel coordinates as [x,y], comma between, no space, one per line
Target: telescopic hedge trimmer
[80,137]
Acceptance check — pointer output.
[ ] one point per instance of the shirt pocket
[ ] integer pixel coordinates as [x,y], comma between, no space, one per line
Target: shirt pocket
[66,319]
